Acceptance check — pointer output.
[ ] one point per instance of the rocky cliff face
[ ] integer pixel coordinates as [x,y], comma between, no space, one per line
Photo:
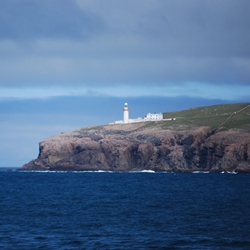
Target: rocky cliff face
[134,147]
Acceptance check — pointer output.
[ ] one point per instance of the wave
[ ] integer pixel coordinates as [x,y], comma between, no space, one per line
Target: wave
[65,171]
[106,171]
[147,171]
[87,171]
[228,172]
[201,172]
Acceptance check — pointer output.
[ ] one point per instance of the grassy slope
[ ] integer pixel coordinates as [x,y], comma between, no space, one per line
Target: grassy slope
[213,116]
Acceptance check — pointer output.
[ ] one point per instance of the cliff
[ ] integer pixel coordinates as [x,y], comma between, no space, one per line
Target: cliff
[145,146]
[214,139]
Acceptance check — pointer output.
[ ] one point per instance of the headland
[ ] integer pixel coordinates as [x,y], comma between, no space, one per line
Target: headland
[213,139]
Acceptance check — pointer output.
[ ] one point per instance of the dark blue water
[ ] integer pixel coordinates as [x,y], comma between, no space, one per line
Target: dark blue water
[124,211]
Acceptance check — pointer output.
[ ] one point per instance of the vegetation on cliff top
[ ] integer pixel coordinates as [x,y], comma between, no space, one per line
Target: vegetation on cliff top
[224,116]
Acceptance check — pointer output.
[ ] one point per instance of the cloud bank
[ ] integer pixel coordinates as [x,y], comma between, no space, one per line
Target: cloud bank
[115,43]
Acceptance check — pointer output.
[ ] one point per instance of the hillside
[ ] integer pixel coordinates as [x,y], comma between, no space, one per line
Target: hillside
[224,116]
[214,139]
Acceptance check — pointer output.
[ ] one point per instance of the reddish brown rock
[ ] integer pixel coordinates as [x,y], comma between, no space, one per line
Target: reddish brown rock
[133,147]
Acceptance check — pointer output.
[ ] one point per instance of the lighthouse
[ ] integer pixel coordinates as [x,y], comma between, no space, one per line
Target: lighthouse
[125,113]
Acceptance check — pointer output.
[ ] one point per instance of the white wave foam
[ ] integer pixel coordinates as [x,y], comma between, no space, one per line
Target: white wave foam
[228,172]
[200,172]
[148,171]
[233,172]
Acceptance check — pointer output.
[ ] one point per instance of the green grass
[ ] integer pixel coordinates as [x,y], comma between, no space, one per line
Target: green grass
[213,116]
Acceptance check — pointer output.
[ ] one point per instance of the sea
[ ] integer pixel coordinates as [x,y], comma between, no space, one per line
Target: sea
[139,210]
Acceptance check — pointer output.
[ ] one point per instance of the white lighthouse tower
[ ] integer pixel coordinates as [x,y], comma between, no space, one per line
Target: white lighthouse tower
[125,113]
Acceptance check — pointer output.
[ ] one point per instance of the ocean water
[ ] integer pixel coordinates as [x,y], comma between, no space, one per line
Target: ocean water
[86,210]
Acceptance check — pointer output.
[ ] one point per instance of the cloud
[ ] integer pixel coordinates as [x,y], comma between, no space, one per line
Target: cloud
[189,90]
[58,19]
[114,43]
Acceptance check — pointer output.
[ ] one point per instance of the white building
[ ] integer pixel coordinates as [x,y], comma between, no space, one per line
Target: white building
[154,117]
[147,118]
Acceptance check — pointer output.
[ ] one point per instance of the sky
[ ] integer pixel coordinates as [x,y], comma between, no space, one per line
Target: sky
[69,64]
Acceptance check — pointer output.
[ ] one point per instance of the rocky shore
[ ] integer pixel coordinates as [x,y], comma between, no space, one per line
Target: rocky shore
[136,147]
